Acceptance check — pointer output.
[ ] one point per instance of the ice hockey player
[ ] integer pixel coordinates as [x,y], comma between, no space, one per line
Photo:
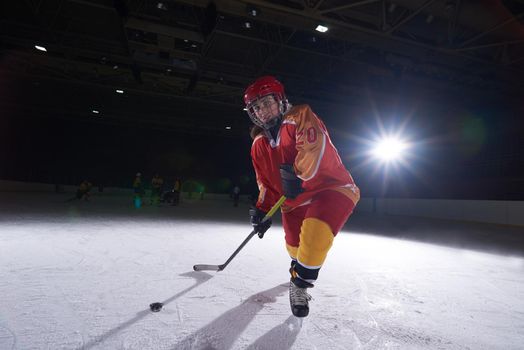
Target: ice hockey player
[156,189]
[138,190]
[177,188]
[236,195]
[293,156]
[84,190]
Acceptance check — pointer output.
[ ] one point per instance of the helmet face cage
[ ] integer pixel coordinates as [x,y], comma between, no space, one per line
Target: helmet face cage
[255,104]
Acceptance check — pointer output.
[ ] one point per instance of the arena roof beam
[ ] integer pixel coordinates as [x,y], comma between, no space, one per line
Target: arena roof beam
[502,43]
[492,29]
[347,6]
[304,20]
[410,16]
[148,26]
[318,5]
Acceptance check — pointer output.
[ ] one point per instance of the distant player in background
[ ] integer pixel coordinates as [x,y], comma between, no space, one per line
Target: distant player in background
[293,156]
[156,189]
[236,195]
[84,190]
[138,190]
[177,188]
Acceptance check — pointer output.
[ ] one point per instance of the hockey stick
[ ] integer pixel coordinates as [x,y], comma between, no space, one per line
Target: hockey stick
[204,267]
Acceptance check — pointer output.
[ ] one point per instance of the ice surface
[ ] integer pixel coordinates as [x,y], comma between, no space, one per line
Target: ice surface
[82,275]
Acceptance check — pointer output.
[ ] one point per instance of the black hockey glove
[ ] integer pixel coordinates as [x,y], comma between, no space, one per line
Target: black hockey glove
[291,184]
[256,220]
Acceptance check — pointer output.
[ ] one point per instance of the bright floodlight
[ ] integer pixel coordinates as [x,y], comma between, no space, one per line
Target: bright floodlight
[40,48]
[119,91]
[389,149]
[321,29]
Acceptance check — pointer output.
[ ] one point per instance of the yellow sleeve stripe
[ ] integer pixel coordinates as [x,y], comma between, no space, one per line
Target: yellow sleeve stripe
[304,176]
[262,193]
[351,191]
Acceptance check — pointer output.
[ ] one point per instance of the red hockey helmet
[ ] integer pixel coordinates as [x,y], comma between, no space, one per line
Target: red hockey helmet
[262,87]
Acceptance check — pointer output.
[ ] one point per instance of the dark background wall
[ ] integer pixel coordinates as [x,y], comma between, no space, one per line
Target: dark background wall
[466,153]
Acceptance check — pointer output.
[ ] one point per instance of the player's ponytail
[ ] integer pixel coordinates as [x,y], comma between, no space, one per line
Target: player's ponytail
[255,131]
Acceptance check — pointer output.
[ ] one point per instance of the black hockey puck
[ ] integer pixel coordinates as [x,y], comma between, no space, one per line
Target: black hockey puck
[155,307]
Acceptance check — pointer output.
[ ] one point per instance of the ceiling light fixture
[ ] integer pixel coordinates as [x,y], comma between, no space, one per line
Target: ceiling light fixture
[321,28]
[40,48]
[252,11]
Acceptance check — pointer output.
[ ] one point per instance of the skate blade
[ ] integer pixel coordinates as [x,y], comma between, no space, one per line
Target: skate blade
[204,267]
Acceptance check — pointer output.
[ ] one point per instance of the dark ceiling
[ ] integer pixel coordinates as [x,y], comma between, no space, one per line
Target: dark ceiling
[183,63]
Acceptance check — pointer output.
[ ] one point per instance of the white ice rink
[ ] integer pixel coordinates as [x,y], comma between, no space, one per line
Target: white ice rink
[82,275]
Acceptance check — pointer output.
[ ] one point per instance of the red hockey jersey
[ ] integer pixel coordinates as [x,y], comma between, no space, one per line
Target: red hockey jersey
[304,142]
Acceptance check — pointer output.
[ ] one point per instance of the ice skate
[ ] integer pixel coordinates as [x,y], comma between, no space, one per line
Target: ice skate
[299,297]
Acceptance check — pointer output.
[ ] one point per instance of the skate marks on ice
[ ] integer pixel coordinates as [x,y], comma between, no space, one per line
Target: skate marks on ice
[199,277]
[222,332]
[370,318]
[7,336]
